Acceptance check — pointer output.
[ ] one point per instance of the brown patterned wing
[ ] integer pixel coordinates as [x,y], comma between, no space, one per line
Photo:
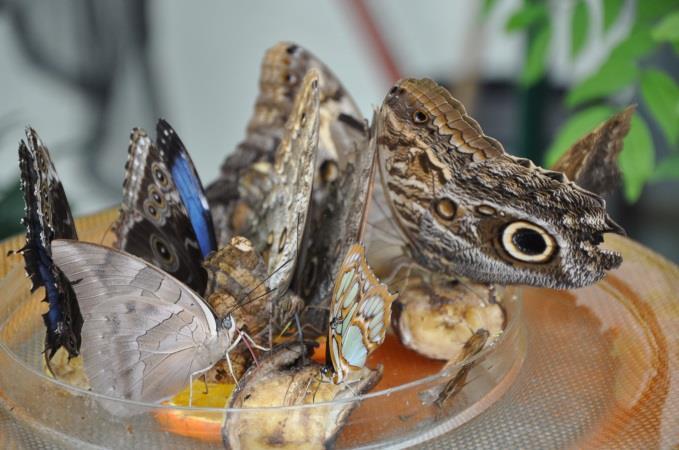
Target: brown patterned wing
[285,208]
[468,208]
[592,162]
[449,117]
[342,185]
[244,180]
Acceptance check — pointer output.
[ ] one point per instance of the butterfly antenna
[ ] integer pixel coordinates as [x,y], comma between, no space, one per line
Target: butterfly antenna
[260,284]
[254,299]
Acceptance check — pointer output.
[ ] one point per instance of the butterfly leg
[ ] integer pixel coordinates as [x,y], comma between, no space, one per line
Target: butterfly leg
[298,324]
[228,358]
[271,330]
[314,330]
[254,344]
[233,374]
[300,335]
[249,346]
[191,377]
[318,386]
[347,384]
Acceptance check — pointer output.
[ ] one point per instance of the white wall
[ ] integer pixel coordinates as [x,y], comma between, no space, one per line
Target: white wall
[206,57]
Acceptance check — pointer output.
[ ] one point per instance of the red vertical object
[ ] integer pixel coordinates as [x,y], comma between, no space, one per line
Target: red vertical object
[379,45]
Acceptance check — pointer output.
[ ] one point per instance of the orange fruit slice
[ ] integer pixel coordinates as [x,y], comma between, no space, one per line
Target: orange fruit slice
[205,426]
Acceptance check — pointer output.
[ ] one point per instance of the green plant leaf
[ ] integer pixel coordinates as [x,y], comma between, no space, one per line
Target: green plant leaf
[661,95]
[487,7]
[529,14]
[614,75]
[617,72]
[575,127]
[636,159]
[579,24]
[11,210]
[612,10]
[637,44]
[649,11]
[667,169]
[667,29]
[536,59]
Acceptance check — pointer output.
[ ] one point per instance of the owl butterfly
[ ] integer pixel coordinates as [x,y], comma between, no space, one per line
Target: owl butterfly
[343,164]
[145,334]
[592,162]
[343,179]
[47,217]
[164,218]
[468,208]
[279,213]
[360,311]
[278,88]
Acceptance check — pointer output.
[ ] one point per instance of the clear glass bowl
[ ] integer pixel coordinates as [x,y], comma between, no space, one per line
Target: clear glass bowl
[67,415]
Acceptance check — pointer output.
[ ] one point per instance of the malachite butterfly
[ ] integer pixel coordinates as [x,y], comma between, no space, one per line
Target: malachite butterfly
[360,311]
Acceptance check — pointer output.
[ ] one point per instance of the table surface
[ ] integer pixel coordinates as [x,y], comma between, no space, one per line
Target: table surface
[601,369]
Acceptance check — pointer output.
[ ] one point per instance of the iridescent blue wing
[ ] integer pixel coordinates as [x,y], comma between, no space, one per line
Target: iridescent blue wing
[188,185]
[360,308]
[47,217]
[164,218]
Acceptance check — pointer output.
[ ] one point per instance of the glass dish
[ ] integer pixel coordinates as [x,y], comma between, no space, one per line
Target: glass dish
[398,415]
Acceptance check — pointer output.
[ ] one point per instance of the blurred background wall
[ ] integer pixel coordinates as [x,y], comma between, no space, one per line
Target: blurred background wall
[84,72]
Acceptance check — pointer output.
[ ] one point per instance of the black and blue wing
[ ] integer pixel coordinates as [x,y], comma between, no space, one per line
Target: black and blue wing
[164,216]
[47,217]
[188,185]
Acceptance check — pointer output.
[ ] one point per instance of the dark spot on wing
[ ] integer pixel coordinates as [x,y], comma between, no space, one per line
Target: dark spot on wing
[352,121]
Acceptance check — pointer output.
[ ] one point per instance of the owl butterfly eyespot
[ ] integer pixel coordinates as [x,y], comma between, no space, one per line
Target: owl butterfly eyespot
[527,242]
[419,117]
[445,208]
[477,211]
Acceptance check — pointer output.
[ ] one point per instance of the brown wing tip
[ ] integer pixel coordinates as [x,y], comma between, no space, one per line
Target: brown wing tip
[614,227]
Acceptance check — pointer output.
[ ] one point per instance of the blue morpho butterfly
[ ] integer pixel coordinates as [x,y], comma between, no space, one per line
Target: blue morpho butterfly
[165,218]
[360,311]
[48,217]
